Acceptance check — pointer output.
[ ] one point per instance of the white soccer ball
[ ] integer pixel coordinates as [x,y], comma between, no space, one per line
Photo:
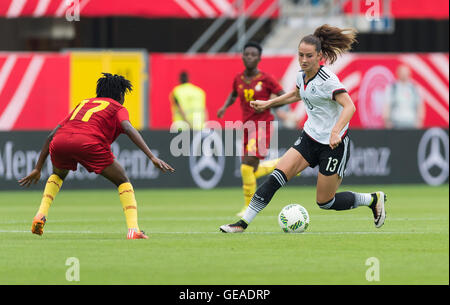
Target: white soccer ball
[293,218]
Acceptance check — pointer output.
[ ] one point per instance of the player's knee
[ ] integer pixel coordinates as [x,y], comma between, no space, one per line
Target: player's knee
[251,161]
[327,204]
[121,180]
[118,179]
[60,173]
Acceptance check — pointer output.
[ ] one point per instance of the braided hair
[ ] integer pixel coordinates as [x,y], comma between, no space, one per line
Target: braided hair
[113,86]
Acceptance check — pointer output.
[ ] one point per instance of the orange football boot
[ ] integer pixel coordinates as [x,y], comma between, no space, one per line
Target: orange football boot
[136,234]
[37,227]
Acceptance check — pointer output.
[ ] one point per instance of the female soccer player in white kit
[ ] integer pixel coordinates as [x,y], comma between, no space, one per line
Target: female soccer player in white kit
[324,140]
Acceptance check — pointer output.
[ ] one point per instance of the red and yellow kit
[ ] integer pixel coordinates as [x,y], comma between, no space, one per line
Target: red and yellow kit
[260,87]
[86,134]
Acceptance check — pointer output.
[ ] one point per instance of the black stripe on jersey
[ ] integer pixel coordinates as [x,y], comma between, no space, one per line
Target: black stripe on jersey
[304,76]
[326,74]
[341,90]
[323,75]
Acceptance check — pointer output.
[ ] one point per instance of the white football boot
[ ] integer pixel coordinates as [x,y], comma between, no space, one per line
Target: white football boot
[379,212]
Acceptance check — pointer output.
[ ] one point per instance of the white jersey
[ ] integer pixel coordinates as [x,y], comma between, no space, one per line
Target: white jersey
[322,109]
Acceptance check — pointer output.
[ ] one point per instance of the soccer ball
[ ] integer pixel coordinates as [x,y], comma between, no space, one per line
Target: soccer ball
[293,218]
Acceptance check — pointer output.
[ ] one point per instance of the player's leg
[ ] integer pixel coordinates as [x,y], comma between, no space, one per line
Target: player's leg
[248,166]
[266,167]
[332,165]
[328,199]
[252,169]
[292,163]
[52,187]
[289,165]
[60,154]
[117,175]
[256,144]
[61,151]
[326,196]
[98,158]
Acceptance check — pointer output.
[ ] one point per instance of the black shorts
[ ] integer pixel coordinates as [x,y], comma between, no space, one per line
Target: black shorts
[330,161]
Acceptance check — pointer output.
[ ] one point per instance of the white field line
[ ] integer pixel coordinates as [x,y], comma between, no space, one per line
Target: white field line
[223,218]
[254,233]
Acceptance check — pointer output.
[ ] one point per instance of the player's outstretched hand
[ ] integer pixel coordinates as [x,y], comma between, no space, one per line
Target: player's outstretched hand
[259,105]
[32,178]
[162,166]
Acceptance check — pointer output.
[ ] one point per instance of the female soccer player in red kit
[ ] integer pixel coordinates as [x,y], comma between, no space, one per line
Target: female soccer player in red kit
[250,85]
[84,137]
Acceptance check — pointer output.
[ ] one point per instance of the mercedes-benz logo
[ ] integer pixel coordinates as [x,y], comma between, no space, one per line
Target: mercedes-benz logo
[207,160]
[433,156]
[371,96]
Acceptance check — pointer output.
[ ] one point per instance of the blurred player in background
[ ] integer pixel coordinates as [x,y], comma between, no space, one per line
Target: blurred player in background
[324,140]
[404,107]
[188,103]
[84,137]
[250,85]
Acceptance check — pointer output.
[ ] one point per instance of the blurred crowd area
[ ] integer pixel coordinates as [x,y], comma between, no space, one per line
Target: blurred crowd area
[53,51]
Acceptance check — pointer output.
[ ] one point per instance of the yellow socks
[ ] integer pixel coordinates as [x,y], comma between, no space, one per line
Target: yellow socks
[248,182]
[52,187]
[126,196]
[266,167]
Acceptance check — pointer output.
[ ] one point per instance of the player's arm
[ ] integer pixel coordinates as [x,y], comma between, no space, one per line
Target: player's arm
[280,93]
[349,109]
[279,110]
[137,139]
[35,175]
[230,101]
[287,98]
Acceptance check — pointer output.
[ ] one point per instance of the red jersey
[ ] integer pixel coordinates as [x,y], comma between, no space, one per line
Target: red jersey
[98,118]
[260,87]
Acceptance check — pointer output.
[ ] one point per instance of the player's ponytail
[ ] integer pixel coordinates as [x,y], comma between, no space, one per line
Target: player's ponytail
[332,41]
[113,86]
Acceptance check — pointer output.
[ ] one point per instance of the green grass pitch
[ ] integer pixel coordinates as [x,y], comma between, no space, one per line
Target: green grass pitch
[185,246]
